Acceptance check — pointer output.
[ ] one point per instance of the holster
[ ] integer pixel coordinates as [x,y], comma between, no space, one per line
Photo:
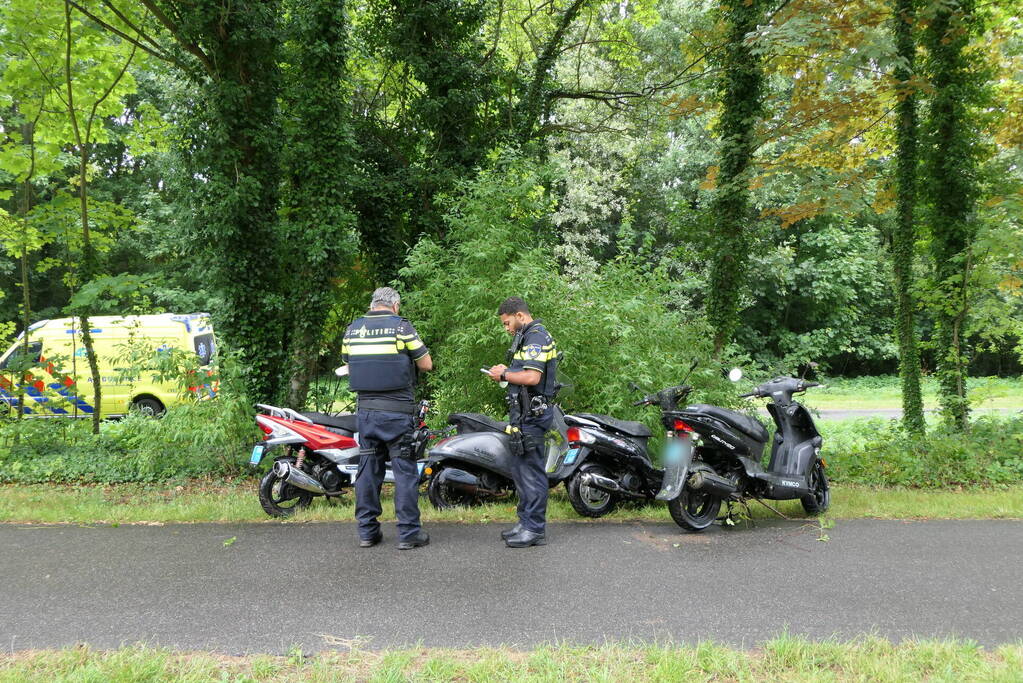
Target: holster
[405,446]
[516,413]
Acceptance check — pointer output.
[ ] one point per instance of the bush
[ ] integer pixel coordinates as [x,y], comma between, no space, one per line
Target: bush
[611,321]
[194,438]
[877,452]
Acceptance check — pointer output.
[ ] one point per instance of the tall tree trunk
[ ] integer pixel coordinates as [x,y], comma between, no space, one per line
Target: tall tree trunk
[24,206]
[235,150]
[741,93]
[88,267]
[951,165]
[904,237]
[318,163]
[536,99]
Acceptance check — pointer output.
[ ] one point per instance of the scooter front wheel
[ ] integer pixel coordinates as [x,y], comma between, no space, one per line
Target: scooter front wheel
[694,511]
[818,502]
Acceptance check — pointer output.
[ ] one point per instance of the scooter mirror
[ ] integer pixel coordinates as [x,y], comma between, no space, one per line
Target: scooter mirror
[341,371]
[735,374]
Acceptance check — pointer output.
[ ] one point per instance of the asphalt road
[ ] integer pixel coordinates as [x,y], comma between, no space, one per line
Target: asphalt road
[280,585]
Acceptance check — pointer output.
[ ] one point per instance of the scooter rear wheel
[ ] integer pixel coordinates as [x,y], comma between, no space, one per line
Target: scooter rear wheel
[694,511]
[443,496]
[589,501]
[820,500]
[279,498]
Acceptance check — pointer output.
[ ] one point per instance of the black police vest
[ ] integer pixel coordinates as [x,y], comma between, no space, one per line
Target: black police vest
[548,386]
[374,361]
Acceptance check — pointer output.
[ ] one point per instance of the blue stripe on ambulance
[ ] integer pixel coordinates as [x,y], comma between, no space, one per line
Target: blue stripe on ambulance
[35,393]
[12,401]
[75,400]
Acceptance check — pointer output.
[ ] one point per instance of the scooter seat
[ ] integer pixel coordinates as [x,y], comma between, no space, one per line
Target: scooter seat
[744,423]
[345,422]
[623,426]
[476,422]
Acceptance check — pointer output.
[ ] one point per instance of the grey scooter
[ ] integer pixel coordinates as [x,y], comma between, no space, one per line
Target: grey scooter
[475,466]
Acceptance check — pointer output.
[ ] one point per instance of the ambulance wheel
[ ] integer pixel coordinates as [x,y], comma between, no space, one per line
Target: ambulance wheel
[148,406]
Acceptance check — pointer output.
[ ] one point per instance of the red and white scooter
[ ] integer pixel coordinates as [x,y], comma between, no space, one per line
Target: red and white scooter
[319,455]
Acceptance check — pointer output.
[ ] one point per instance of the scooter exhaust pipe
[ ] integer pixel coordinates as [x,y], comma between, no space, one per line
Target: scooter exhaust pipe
[285,471]
[712,484]
[466,483]
[603,483]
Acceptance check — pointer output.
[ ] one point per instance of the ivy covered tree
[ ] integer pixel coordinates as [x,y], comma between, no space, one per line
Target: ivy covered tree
[317,167]
[741,93]
[904,235]
[951,158]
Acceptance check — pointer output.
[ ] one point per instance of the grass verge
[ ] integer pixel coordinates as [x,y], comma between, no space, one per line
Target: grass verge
[885,393]
[783,658]
[235,501]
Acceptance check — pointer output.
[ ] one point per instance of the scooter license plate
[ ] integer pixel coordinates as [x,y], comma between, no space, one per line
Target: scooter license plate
[257,454]
[673,453]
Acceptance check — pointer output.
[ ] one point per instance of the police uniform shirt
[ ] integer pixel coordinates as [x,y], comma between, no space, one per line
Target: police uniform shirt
[383,337]
[536,350]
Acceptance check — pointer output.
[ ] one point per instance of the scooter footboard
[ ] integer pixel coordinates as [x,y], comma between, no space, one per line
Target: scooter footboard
[678,456]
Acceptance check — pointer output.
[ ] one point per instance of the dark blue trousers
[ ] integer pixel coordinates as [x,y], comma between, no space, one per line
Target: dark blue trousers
[531,480]
[380,435]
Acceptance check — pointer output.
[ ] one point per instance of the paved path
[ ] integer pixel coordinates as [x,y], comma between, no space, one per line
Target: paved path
[279,585]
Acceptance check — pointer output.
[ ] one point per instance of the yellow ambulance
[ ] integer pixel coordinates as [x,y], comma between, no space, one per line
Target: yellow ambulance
[61,383]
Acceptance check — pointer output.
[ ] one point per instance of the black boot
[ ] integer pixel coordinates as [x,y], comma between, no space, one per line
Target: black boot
[524,539]
[508,533]
[419,540]
[371,541]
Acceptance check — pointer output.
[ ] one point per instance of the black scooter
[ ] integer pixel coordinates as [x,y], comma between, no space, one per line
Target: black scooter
[608,460]
[714,455]
[474,466]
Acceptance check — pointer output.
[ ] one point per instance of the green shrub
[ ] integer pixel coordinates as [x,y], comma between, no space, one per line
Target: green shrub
[878,452]
[194,438]
[613,322]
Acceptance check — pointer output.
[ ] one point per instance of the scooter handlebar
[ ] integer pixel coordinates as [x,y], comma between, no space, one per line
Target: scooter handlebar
[749,395]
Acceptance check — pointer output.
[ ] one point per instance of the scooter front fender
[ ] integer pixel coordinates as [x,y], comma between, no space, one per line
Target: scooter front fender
[678,456]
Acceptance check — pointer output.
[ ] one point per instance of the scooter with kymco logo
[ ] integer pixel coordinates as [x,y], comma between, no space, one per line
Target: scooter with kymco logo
[714,455]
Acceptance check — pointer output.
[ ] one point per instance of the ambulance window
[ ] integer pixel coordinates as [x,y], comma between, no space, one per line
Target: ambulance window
[35,349]
[205,348]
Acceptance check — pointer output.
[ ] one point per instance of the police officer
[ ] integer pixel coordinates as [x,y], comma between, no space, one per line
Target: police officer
[531,388]
[380,349]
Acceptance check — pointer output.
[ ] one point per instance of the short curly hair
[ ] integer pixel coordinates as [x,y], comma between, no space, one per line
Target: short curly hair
[513,305]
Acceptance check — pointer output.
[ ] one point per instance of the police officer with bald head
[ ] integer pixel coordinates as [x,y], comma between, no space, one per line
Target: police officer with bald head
[383,352]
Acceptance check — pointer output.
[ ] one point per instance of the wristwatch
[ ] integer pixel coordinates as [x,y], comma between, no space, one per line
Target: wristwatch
[504,375]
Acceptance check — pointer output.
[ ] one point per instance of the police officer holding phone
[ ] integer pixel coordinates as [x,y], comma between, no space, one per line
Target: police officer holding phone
[383,352]
[531,384]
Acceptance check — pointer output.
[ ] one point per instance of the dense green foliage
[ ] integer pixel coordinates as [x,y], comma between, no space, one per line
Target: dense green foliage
[317,162]
[879,453]
[661,179]
[613,323]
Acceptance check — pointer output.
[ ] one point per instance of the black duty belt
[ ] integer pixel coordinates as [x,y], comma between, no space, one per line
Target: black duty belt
[391,405]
